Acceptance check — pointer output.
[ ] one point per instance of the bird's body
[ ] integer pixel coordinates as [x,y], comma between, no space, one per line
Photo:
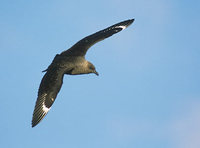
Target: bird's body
[72,62]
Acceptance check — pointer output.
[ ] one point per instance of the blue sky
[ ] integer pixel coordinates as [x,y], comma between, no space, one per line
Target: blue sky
[147,94]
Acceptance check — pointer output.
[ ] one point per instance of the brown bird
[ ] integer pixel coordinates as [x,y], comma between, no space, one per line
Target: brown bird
[72,62]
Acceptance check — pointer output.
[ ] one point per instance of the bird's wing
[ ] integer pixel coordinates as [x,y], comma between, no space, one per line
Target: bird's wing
[81,47]
[48,90]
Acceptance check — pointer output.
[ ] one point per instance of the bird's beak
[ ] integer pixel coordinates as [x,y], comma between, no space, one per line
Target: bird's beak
[96,73]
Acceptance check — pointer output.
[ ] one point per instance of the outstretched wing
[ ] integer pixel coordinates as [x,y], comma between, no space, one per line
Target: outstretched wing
[48,90]
[81,47]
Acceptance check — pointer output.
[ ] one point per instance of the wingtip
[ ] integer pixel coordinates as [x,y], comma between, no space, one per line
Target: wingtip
[130,21]
[36,120]
[125,24]
[32,125]
[39,113]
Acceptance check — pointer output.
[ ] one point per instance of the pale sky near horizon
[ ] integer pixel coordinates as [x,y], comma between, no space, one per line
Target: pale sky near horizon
[147,92]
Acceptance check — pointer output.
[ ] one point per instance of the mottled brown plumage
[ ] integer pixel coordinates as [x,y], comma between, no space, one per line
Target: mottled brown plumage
[72,62]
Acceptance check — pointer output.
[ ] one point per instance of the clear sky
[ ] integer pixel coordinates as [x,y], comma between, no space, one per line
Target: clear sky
[148,91]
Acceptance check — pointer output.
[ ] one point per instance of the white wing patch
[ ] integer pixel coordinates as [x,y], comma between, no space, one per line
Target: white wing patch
[123,27]
[44,108]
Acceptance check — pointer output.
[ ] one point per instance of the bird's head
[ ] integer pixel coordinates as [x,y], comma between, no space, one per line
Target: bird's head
[92,69]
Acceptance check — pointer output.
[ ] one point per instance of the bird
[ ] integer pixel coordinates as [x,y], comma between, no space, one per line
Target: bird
[70,62]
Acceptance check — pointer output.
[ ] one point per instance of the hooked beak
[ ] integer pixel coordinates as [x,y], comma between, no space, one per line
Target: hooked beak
[95,72]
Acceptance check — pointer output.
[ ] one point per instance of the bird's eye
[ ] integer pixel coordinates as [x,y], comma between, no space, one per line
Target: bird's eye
[91,67]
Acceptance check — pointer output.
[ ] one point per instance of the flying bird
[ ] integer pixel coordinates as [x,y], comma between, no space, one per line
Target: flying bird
[71,62]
